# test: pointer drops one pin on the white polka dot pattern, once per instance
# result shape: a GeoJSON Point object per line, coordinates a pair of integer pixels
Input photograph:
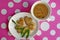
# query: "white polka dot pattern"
{"type": "Point", "coordinates": [17, 1]}
{"type": "Point", "coordinates": [45, 38]}
{"type": "Point", "coordinates": [52, 18]}
{"type": "Point", "coordinates": [3, 38]}
{"type": "Point", "coordinates": [17, 10]}
{"type": "Point", "coordinates": [10, 4]}
{"type": "Point", "coordinates": [53, 4]}
{"type": "Point", "coordinates": [9, 17]}
{"type": "Point", "coordinates": [45, 1]}
{"type": "Point", "coordinates": [52, 32]}
{"type": "Point", "coordinates": [25, 4]}
{"type": "Point", "coordinates": [3, 25]}
{"type": "Point", "coordinates": [45, 26]}
{"type": "Point", "coordinates": [3, 11]}
{"type": "Point", "coordinates": [58, 38]}
{"type": "Point", "coordinates": [58, 26]}
{"type": "Point", "coordinates": [48, 29]}
{"type": "Point", "coordinates": [58, 12]}
{"type": "Point", "coordinates": [39, 32]}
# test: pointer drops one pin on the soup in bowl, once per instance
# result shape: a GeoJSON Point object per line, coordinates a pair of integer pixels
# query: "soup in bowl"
{"type": "Point", "coordinates": [40, 10]}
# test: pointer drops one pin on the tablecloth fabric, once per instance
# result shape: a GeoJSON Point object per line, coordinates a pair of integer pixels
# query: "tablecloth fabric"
{"type": "Point", "coordinates": [48, 29]}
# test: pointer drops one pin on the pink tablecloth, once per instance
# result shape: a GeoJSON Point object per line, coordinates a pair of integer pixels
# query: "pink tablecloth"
{"type": "Point", "coordinates": [48, 29]}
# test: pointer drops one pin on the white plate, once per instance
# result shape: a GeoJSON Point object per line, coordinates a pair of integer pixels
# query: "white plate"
{"type": "Point", "coordinates": [11, 25]}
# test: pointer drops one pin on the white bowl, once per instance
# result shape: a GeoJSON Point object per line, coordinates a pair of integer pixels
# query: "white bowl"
{"type": "Point", "coordinates": [11, 25]}
{"type": "Point", "coordinates": [47, 5]}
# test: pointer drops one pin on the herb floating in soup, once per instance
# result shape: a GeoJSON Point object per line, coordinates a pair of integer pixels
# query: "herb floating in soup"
{"type": "Point", "coordinates": [40, 11]}
{"type": "Point", "coordinates": [24, 26]}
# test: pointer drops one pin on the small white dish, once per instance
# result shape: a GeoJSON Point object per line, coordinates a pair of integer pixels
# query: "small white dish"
{"type": "Point", "coordinates": [47, 5]}
{"type": "Point", "coordinates": [11, 25]}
